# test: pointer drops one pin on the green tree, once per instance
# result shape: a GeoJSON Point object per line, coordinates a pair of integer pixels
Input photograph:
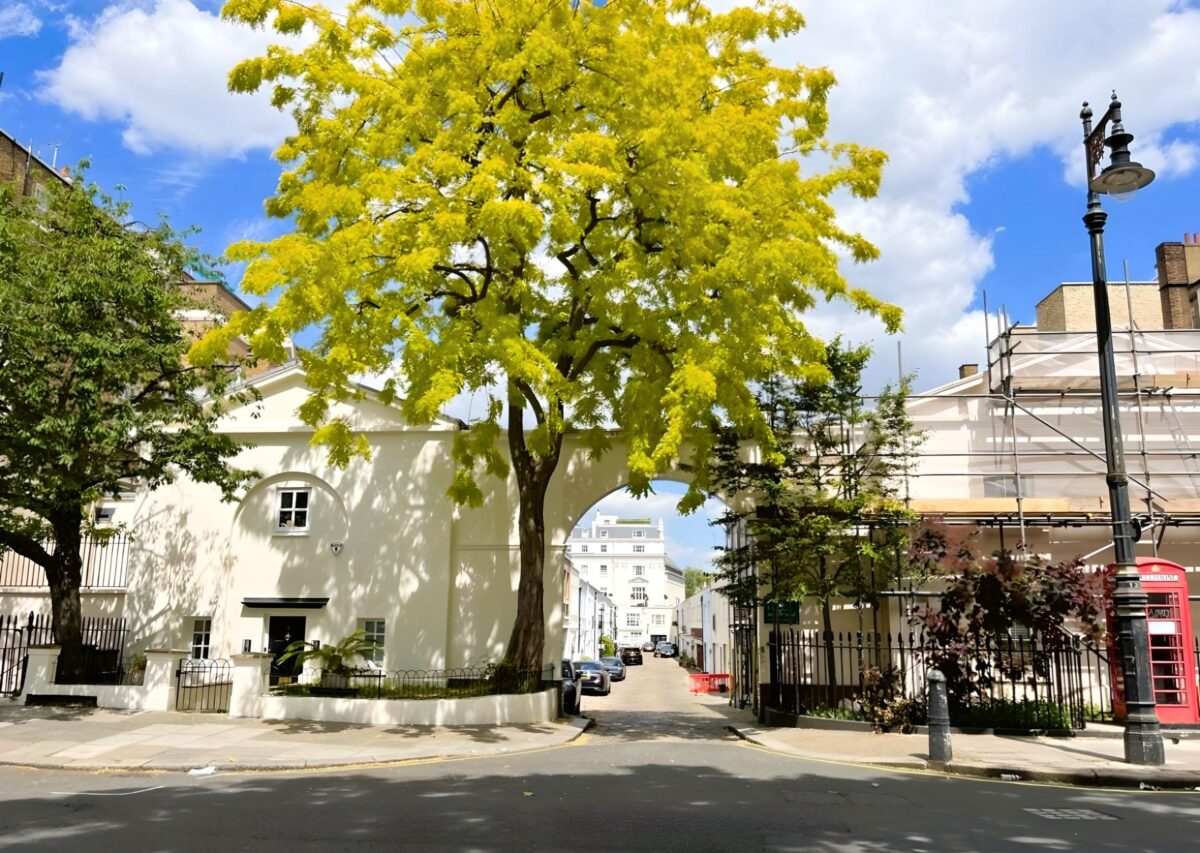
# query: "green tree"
{"type": "Point", "coordinates": [825, 509]}
{"type": "Point", "coordinates": [599, 216]}
{"type": "Point", "coordinates": [694, 580]}
{"type": "Point", "coordinates": [94, 391]}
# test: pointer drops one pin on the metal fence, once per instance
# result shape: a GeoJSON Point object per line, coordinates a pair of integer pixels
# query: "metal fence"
{"type": "Point", "coordinates": [204, 685]}
{"type": "Point", "coordinates": [104, 660]}
{"type": "Point", "coordinates": [104, 640]}
{"type": "Point", "coordinates": [1011, 682]}
{"type": "Point", "coordinates": [415, 683]}
{"type": "Point", "coordinates": [105, 565]}
{"type": "Point", "coordinates": [17, 634]}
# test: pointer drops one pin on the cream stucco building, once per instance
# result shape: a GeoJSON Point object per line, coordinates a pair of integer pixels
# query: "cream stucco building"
{"type": "Point", "coordinates": [627, 559]}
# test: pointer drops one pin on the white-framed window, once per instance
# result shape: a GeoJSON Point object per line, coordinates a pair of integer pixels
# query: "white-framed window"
{"type": "Point", "coordinates": [639, 549]}
{"type": "Point", "coordinates": [639, 534]}
{"type": "Point", "coordinates": [603, 570]}
{"type": "Point", "coordinates": [294, 506]}
{"type": "Point", "coordinates": [104, 514]}
{"type": "Point", "coordinates": [633, 620]}
{"type": "Point", "coordinates": [373, 629]}
{"type": "Point", "coordinates": [637, 594]}
{"type": "Point", "coordinates": [659, 619]}
{"type": "Point", "coordinates": [603, 549]}
{"type": "Point", "coordinates": [201, 637]}
{"type": "Point", "coordinates": [639, 571]}
{"type": "Point", "coordinates": [583, 549]}
{"type": "Point", "coordinates": [603, 534]}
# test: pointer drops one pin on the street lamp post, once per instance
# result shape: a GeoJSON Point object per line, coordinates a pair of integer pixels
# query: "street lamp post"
{"type": "Point", "coordinates": [1143, 738]}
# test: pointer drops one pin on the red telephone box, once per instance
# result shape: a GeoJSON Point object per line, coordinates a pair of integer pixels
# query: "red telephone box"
{"type": "Point", "coordinates": [1169, 623]}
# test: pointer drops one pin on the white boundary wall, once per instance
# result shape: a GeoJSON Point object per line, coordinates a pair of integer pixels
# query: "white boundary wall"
{"type": "Point", "coordinates": [518, 709]}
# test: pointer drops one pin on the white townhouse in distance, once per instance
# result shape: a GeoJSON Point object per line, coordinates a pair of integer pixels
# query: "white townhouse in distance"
{"type": "Point", "coordinates": [626, 559]}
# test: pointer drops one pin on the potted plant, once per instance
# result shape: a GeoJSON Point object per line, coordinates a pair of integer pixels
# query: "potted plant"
{"type": "Point", "coordinates": [332, 659]}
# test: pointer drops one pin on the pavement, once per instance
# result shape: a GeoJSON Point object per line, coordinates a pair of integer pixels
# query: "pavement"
{"type": "Point", "coordinates": [1089, 761]}
{"type": "Point", "coordinates": [654, 705]}
{"type": "Point", "coordinates": [102, 739]}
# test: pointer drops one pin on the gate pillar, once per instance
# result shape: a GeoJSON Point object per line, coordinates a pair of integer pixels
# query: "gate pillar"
{"type": "Point", "coordinates": [39, 672]}
{"type": "Point", "coordinates": [251, 677]}
{"type": "Point", "coordinates": [159, 684]}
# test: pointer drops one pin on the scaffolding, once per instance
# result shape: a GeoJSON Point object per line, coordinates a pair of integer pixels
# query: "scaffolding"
{"type": "Point", "coordinates": [1027, 448]}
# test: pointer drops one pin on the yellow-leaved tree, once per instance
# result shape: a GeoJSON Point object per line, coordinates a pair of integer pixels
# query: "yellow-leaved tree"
{"type": "Point", "coordinates": [600, 215]}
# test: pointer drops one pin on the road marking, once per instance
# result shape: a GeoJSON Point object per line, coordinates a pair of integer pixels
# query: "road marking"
{"type": "Point", "coordinates": [107, 793]}
{"type": "Point", "coordinates": [1072, 814]}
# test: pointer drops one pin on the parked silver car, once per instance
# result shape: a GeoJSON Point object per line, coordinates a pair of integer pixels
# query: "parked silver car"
{"type": "Point", "coordinates": [593, 677]}
{"type": "Point", "coordinates": [615, 668]}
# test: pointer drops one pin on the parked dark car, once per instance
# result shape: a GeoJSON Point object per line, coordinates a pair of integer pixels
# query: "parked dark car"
{"type": "Point", "coordinates": [631, 656]}
{"type": "Point", "coordinates": [614, 667]}
{"type": "Point", "coordinates": [592, 677]}
{"type": "Point", "coordinates": [572, 699]}
{"type": "Point", "coordinates": [665, 650]}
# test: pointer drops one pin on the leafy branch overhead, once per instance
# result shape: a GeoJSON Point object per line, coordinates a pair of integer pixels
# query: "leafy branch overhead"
{"type": "Point", "coordinates": [589, 210]}
{"type": "Point", "coordinates": [594, 216]}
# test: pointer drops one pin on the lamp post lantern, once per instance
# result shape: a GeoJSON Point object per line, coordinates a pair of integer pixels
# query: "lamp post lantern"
{"type": "Point", "coordinates": [1143, 738]}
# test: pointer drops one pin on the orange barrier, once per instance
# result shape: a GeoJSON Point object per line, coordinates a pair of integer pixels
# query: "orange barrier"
{"type": "Point", "coordinates": [706, 682]}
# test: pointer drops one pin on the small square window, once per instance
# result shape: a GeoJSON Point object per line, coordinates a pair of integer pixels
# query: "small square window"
{"type": "Point", "coordinates": [639, 534]}
{"type": "Point", "coordinates": [603, 549]}
{"type": "Point", "coordinates": [639, 571]}
{"type": "Point", "coordinates": [603, 570]}
{"type": "Point", "coordinates": [639, 549]}
{"type": "Point", "coordinates": [104, 514]}
{"type": "Point", "coordinates": [293, 510]}
{"type": "Point", "coordinates": [583, 549]}
{"type": "Point", "coordinates": [633, 620]}
{"type": "Point", "coordinates": [201, 638]}
{"type": "Point", "coordinates": [603, 534]}
{"type": "Point", "coordinates": [373, 630]}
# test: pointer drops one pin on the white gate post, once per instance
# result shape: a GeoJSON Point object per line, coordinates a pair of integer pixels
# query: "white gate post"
{"type": "Point", "coordinates": [160, 680]}
{"type": "Point", "coordinates": [251, 676]}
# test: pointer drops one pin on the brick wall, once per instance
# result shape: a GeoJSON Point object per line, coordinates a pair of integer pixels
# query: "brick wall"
{"type": "Point", "coordinates": [1070, 307]}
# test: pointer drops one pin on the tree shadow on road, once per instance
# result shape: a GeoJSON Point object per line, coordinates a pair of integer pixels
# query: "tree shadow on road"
{"type": "Point", "coordinates": [499, 805]}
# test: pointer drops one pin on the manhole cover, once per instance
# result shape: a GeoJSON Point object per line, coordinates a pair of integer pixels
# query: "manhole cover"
{"type": "Point", "coordinates": [1071, 814]}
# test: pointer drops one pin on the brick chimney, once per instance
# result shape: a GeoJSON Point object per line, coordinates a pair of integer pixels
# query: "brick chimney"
{"type": "Point", "coordinates": [1175, 280]}
{"type": "Point", "coordinates": [965, 370]}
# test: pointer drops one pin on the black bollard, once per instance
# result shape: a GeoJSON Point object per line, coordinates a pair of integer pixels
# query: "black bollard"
{"type": "Point", "coordinates": [940, 751]}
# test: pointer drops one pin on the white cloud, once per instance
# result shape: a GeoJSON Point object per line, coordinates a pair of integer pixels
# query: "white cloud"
{"type": "Point", "coordinates": [18, 20]}
{"type": "Point", "coordinates": [947, 89]}
{"type": "Point", "coordinates": [161, 72]}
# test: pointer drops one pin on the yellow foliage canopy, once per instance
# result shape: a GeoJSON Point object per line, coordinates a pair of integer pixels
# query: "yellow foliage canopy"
{"type": "Point", "coordinates": [611, 215]}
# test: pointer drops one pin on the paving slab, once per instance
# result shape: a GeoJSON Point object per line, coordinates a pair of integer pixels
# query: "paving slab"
{"type": "Point", "coordinates": [1074, 761]}
{"type": "Point", "coordinates": [94, 739]}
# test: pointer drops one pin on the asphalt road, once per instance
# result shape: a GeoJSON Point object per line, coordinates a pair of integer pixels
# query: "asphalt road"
{"type": "Point", "coordinates": [645, 779]}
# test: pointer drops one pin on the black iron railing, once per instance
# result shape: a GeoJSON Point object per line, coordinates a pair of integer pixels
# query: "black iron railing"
{"type": "Point", "coordinates": [104, 661]}
{"type": "Point", "coordinates": [105, 565]}
{"type": "Point", "coordinates": [1011, 682]}
{"type": "Point", "coordinates": [415, 683]}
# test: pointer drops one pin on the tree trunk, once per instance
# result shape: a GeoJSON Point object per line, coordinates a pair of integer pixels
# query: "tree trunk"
{"type": "Point", "coordinates": [526, 645]}
{"type": "Point", "coordinates": [528, 640]}
{"type": "Point", "coordinates": [830, 653]}
{"type": "Point", "coordinates": [64, 575]}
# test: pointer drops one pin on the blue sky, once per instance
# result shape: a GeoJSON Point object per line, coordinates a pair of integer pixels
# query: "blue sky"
{"type": "Point", "coordinates": [975, 102]}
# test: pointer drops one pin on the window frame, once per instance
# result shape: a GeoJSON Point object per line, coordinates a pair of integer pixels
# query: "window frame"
{"type": "Point", "coordinates": [204, 631]}
{"type": "Point", "coordinates": [280, 509]}
{"type": "Point", "coordinates": [377, 657]}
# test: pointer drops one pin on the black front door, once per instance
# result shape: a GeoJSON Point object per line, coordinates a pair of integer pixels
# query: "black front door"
{"type": "Point", "coordinates": [282, 631]}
